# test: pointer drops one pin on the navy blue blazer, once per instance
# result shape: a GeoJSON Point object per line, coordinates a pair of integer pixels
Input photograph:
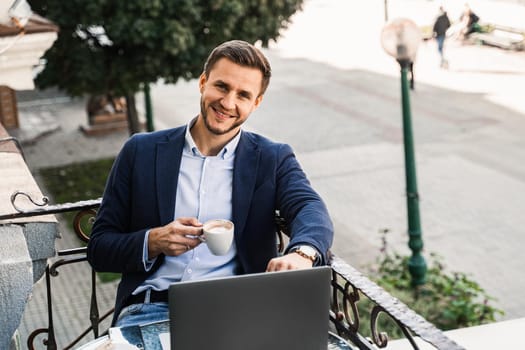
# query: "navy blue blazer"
{"type": "Point", "coordinates": [140, 195]}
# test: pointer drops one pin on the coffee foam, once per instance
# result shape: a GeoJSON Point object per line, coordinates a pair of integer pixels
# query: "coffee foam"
{"type": "Point", "coordinates": [217, 229]}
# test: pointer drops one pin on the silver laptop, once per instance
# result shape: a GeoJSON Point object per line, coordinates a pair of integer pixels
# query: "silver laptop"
{"type": "Point", "coordinates": [276, 310]}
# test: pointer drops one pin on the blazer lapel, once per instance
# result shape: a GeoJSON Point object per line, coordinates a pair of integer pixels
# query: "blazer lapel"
{"type": "Point", "coordinates": [244, 176]}
{"type": "Point", "coordinates": [169, 155]}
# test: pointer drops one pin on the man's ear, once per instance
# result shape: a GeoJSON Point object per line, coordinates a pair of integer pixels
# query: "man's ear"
{"type": "Point", "coordinates": [258, 100]}
{"type": "Point", "coordinates": [202, 82]}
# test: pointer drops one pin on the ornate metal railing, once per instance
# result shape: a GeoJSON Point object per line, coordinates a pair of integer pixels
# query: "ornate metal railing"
{"type": "Point", "coordinates": [348, 287]}
{"type": "Point", "coordinates": [85, 212]}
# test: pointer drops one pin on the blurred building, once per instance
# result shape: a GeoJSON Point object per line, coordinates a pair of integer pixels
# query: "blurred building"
{"type": "Point", "coordinates": [24, 37]}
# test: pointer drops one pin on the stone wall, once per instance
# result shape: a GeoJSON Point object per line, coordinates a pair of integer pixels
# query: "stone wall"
{"type": "Point", "coordinates": [27, 243]}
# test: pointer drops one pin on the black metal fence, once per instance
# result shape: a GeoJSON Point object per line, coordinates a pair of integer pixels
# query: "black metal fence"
{"type": "Point", "coordinates": [349, 289]}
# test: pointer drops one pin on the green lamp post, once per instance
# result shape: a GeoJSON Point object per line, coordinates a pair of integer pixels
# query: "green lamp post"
{"type": "Point", "coordinates": [400, 38]}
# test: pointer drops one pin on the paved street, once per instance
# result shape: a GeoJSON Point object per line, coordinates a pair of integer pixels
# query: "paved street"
{"type": "Point", "coordinates": [335, 97]}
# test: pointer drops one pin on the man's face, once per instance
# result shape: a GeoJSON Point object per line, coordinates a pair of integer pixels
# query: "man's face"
{"type": "Point", "coordinates": [228, 96]}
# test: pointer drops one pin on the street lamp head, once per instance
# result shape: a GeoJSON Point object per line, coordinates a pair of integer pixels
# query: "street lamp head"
{"type": "Point", "coordinates": [400, 39]}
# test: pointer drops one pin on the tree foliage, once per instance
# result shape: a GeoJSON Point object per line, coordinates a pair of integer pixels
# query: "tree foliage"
{"type": "Point", "coordinates": [116, 46]}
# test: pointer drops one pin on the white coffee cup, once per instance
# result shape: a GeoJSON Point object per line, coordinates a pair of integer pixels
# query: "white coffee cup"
{"type": "Point", "coordinates": [218, 235]}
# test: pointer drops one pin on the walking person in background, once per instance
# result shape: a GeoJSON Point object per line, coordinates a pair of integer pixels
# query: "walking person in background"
{"type": "Point", "coordinates": [439, 31]}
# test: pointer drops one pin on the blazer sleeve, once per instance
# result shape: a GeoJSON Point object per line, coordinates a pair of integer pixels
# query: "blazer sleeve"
{"type": "Point", "coordinates": [301, 206]}
{"type": "Point", "coordinates": [113, 246]}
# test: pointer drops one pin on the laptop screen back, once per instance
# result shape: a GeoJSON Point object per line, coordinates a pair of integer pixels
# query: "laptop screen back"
{"type": "Point", "coordinates": [277, 310]}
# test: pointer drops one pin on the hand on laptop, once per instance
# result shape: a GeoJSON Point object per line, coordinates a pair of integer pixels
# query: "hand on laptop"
{"type": "Point", "coordinates": [291, 261]}
{"type": "Point", "coordinates": [174, 238]}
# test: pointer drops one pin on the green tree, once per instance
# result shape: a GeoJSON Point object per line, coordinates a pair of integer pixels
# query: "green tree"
{"type": "Point", "coordinates": [115, 47]}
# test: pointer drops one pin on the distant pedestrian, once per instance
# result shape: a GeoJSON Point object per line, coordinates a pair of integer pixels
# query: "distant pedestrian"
{"type": "Point", "coordinates": [469, 22]}
{"type": "Point", "coordinates": [439, 30]}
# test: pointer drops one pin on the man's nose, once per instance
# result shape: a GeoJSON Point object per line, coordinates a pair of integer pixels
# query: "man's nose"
{"type": "Point", "coordinates": [228, 101]}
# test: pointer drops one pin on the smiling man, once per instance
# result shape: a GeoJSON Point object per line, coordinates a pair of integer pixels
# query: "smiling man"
{"type": "Point", "coordinates": [165, 184]}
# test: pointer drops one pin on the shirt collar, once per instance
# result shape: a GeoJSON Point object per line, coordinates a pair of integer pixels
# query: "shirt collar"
{"type": "Point", "coordinates": [226, 152]}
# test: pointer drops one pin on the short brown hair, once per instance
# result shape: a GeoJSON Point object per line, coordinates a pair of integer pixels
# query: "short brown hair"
{"type": "Point", "coordinates": [243, 54]}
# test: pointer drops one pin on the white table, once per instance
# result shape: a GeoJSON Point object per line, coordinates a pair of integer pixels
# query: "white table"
{"type": "Point", "coordinates": [155, 336]}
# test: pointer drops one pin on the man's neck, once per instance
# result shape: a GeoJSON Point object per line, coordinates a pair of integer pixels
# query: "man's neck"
{"type": "Point", "coordinates": [209, 144]}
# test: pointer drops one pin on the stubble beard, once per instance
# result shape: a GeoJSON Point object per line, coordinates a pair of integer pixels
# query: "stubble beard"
{"type": "Point", "coordinates": [213, 130]}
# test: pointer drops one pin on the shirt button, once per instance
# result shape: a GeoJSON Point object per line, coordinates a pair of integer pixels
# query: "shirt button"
{"type": "Point", "coordinates": [197, 259]}
{"type": "Point", "coordinates": [190, 270]}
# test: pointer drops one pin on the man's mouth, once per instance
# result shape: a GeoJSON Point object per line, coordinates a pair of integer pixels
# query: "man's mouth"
{"type": "Point", "coordinates": [221, 115]}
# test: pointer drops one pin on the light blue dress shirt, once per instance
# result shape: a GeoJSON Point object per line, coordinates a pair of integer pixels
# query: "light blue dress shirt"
{"type": "Point", "coordinates": [204, 191]}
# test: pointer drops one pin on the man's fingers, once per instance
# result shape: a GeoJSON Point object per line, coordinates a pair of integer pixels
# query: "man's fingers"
{"type": "Point", "coordinates": [279, 265]}
{"type": "Point", "coordinates": [291, 261]}
{"type": "Point", "coordinates": [177, 237]}
{"type": "Point", "coordinates": [186, 226]}
{"type": "Point", "coordinates": [183, 244]}
{"type": "Point", "coordinates": [189, 221]}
